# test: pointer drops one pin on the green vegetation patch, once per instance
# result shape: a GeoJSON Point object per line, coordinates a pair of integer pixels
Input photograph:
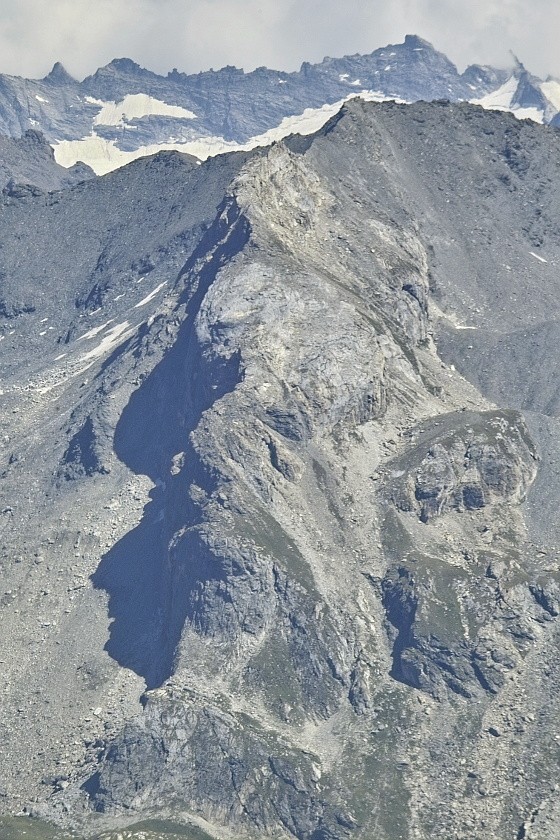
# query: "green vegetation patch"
{"type": "Point", "coordinates": [23, 828]}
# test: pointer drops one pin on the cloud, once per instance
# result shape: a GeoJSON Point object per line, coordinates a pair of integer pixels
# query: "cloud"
{"type": "Point", "coordinates": [194, 35]}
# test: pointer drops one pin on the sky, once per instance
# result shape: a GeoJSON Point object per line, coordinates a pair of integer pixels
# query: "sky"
{"type": "Point", "coordinates": [194, 35]}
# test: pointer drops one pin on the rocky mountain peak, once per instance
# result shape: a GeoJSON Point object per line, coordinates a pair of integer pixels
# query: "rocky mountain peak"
{"type": "Point", "coordinates": [59, 76]}
{"type": "Point", "coordinates": [117, 72]}
{"type": "Point", "coordinates": [414, 42]}
{"type": "Point", "coordinates": [124, 65]}
{"type": "Point", "coordinates": [528, 93]}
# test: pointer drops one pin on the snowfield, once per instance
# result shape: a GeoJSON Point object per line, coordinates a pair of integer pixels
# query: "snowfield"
{"type": "Point", "coordinates": [104, 155]}
{"type": "Point", "coordinates": [134, 107]}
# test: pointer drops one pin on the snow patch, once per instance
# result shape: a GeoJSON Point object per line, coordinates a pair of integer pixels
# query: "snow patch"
{"type": "Point", "coordinates": [136, 106]}
{"type": "Point", "coordinates": [537, 257]}
{"type": "Point", "coordinates": [114, 336]}
{"type": "Point", "coordinates": [502, 100]}
{"type": "Point", "coordinates": [534, 114]}
{"type": "Point", "coordinates": [151, 296]}
{"type": "Point", "coordinates": [77, 365]}
{"type": "Point", "coordinates": [104, 155]}
{"type": "Point", "coordinates": [551, 89]}
{"type": "Point", "coordinates": [40, 99]}
{"type": "Point", "coordinates": [311, 120]}
{"type": "Point", "coordinates": [377, 96]}
{"type": "Point", "coordinates": [93, 332]}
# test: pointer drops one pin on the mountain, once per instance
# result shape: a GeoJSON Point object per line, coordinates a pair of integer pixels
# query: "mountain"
{"type": "Point", "coordinates": [279, 475]}
{"type": "Point", "coordinates": [124, 111]}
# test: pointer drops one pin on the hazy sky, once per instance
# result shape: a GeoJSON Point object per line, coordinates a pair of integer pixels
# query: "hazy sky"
{"type": "Point", "coordinates": [194, 35]}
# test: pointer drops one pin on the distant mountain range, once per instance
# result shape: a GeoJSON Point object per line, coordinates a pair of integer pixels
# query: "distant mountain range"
{"type": "Point", "coordinates": [123, 111]}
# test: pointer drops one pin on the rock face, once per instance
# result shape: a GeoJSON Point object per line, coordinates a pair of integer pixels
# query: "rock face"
{"type": "Point", "coordinates": [277, 550]}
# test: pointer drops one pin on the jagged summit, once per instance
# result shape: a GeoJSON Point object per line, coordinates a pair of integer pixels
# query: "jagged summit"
{"type": "Point", "coordinates": [124, 110]}
{"type": "Point", "coordinates": [406, 49]}
{"type": "Point", "coordinates": [416, 42]}
{"type": "Point", "coordinates": [59, 76]}
{"type": "Point", "coordinates": [124, 65]}
{"type": "Point", "coordinates": [518, 64]}
{"type": "Point", "coordinates": [529, 93]}
{"type": "Point", "coordinates": [119, 76]}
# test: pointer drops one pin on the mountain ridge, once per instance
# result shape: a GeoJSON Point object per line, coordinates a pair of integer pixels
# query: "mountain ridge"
{"type": "Point", "coordinates": [230, 108]}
